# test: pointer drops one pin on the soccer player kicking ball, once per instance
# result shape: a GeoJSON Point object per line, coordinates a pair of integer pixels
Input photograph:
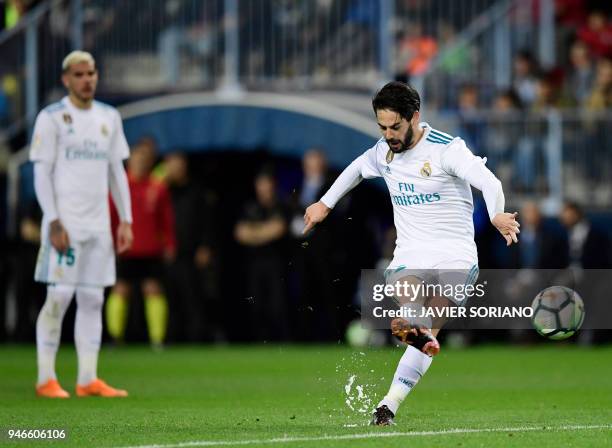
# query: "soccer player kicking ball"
{"type": "Point", "coordinates": [428, 174]}
{"type": "Point", "coordinates": [78, 148]}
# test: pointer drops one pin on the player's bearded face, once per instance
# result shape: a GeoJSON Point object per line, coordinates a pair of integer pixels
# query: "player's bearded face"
{"type": "Point", "coordinates": [398, 145]}
{"type": "Point", "coordinates": [81, 81]}
{"type": "Point", "coordinates": [397, 131]}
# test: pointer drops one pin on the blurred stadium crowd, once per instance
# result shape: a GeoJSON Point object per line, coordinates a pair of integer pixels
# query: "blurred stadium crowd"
{"type": "Point", "coordinates": [229, 247]}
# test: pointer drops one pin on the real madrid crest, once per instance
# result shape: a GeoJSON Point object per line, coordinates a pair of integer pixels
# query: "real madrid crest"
{"type": "Point", "coordinates": [67, 119]}
{"type": "Point", "coordinates": [390, 155]}
{"type": "Point", "coordinates": [37, 141]}
{"type": "Point", "coordinates": [426, 170]}
{"type": "Point", "coordinates": [104, 130]}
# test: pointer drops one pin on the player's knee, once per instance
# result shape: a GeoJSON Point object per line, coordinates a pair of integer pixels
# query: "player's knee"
{"type": "Point", "coordinates": [408, 290]}
{"type": "Point", "coordinates": [90, 299]}
{"type": "Point", "coordinates": [151, 287]}
{"type": "Point", "coordinates": [122, 289]}
{"type": "Point", "coordinates": [59, 298]}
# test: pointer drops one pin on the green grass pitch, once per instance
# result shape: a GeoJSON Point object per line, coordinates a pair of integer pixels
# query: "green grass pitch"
{"type": "Point", "coordinates": [293, 396]}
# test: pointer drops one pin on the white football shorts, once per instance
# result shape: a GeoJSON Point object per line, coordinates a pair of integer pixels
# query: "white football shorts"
{"type": "Point", "coordinates": [90, 260]}
{"type": "Point", "coordinates": [451, 274]}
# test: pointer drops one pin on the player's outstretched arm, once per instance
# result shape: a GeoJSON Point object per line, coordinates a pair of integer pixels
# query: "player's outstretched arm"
{"type": "Point", "coordinates": [315, 214]}
{"type": "Point", "coordinates": [460, 161]}
{"type": "Point", "coordinates": [482, 178]}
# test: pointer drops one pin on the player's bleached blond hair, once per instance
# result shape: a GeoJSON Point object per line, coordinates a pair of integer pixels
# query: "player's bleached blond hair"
{"type": "Point", "coordinates": [76, 57]}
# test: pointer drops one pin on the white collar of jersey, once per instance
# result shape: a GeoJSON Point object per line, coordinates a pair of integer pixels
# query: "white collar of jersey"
{"type": "Point", "coordinates": [424, 126]}
{"type": "Point", "coordinates": [66, 101]}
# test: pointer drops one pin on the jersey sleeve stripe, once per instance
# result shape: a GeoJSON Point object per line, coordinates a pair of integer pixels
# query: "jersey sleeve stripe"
{"type": "Point", "coordinates": [441, 135]}
{"type": "Point", "coordinates": [435, 140]}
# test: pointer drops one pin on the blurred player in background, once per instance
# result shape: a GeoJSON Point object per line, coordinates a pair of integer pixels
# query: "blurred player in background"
{"type": "Point", "coordinates": [262, 230]}
{"type": "Point", "coordinates": [78, 148]}
{"type": "Point", "coordinates": [154, 245]}
{"type": "Point", "coordinates": [196, 310]}
{"type": "Point", "coordinates": [428, 174]}
{"type": "Point", "coordinates": [315, 266]}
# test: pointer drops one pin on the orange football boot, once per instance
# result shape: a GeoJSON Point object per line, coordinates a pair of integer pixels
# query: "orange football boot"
{"type": "Point", "coordinates": [51, 389]}
{"type": "Point", "coordinates": [98, 388]}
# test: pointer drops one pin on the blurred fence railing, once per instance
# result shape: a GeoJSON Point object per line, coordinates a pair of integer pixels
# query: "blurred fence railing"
{"type": "Point", "coordinates": [149, 47]}
{"type": "Point", "coordinates": [548, 156]}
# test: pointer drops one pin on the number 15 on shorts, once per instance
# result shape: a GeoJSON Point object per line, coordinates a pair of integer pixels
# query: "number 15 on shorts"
{"type": "Point", "coordinates": [66, 259]}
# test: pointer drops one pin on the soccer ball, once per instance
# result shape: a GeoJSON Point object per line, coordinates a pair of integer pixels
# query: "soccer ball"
{"type": "Point", "coordinates": [558, 312]}
{"type": "Point", "coordinates": [359, 335]}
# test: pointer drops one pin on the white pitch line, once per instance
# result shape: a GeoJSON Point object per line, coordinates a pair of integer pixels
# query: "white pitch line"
{"type": "Point", "coordinates": [370, 435]}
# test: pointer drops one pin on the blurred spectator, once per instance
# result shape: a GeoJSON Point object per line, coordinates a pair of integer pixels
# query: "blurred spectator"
{"type": "Point", "coordinates": [14, 10]}
{"type": "Point", "coordinates": [525, 77]}
{"type": "Point", "coordinates": [456, 62]}
{"type": "Point", "coordinates": [262, 229]}
{"type": "Point", "coordinates": [191, 29]}
{"type": "Point", "coordinates": [600, 96]}
{"type": "Point", "coordinates": [597, 34]}
{"type": "Point", "coordinates": [541, 246]}
{"type": "Point", "coordinates": [468, 99]}
{"type": "Point", "coordinates": [313, 257]}
{"type": "Point", "coordinates": [547, 95]}
{"type": "Point", "coordinates": [352, 42]}
{"type": "Point", "coordinates": [416, 50]}
{"type": "Point", "coordinates": [570, 13]}
{"type": "Point", "coordinates": [154, 244]}
{"type": "Point", "coordinates": [596, 129]}
{"type": "Point", "coordinates": [471, 123]}
{"type": "Point", "coordinates": [581, 74]}
{"type": "Point", "coordinates": [195, 313]}
{"type": "Point", "coordinates": [589, 247]}
{"type": "Point", "coordinates": [502, 134]}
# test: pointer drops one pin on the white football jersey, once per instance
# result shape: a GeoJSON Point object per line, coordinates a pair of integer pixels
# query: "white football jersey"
{"type": "Point", "coordinates": [432, 203]}
{"type": "Point", "coordinates": [80, 144]}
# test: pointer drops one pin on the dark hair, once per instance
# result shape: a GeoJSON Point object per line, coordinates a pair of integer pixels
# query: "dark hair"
{"type": "Point", "coordinates": [398, 97]}
{"type": "Point", "coordinates": [267, 170]}
{"type": "Point", "coordinates": [573, 205]}
{"type": "Point", "coordinates": [512, 96]}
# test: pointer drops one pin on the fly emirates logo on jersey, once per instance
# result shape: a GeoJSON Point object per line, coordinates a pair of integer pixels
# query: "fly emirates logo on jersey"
{"type": "Point", "coordinates": [89, 150]}
{"type": "Point", "coordinates": [408, 196]}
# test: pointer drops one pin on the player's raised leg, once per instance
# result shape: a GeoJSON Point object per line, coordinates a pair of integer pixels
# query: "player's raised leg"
{"type": "Point", "coordinates": [48, 333]}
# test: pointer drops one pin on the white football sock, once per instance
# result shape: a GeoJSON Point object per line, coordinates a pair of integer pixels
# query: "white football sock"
{"type": "Point", "coordinates": [49, 329]}
{"type": "Point", "coordinates": [411, 368]}
{"type": "Point", "coordinates": [88, 332]}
